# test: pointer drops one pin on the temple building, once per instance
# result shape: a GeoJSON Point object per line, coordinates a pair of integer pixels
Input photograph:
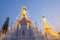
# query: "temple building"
{"type": "Point", "coordinates": [24, 30]}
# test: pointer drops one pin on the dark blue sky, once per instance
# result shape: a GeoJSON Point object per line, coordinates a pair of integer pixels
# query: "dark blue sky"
{"type": "Point", "coordinates": [36, 9]}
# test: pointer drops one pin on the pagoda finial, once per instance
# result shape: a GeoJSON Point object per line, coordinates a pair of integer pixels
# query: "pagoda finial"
{"type": "Point", "coordinates": [24, 11]}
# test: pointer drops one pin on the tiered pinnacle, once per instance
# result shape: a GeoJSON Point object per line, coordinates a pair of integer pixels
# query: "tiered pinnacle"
{"type": "Point", "coordinates": [48, 28]}
{"type": "Point", "coordinates": [24, 15]}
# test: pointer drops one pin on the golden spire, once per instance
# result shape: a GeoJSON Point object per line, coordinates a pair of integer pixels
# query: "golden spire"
{"type": "Point", "coordinates": [24, 13]}
{"type": "Point", "coordinates": [48, 28]}
{"type": "Point", "coordinates": [45, 22]}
